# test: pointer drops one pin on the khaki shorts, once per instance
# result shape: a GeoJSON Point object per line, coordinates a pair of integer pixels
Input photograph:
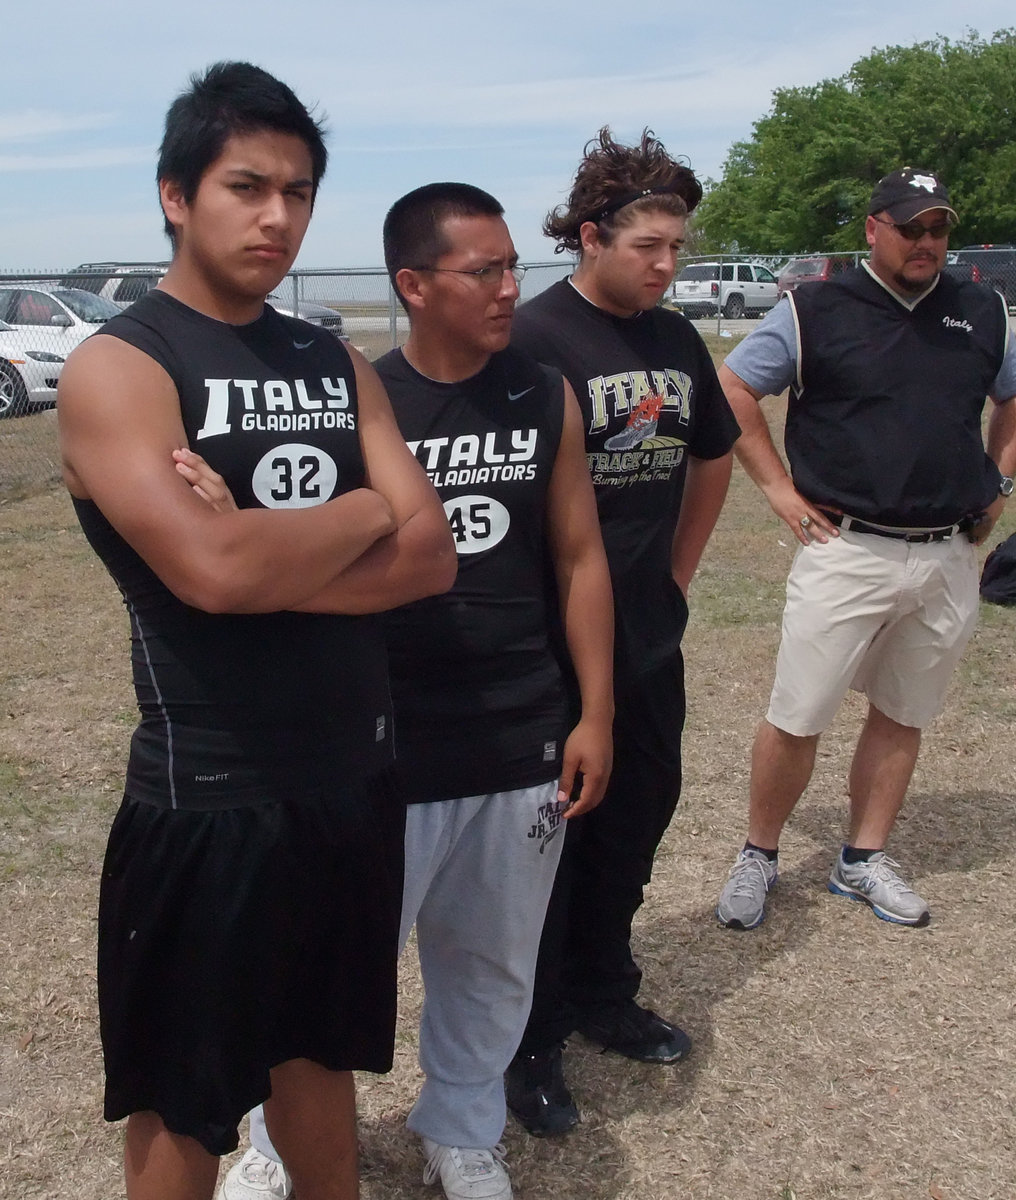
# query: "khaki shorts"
{"type": "Point", "coordinates": [888, 618]}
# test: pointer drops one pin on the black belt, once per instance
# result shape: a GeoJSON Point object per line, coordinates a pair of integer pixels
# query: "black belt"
{"type": "Point", "coordinates": [942, 534]}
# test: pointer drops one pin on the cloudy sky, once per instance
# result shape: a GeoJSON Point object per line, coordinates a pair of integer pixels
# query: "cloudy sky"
{"type": "Point", "coordinates": [500, 95]}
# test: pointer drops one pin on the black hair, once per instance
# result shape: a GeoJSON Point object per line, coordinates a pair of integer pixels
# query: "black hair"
{"type": "Point", "coordinates": [231, 98]}
{"type": "Point", "coordinates": [413, 236]}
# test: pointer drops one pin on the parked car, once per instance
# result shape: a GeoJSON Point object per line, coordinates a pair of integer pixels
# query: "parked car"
{"type": "Point", "coordinates": [995, 265]}
{"type": "Point", "coordinates": [317, 314]}
{"type": "Point", "coordinates": [28, 377]}
{"type": "Point", "coordinates": [966, 271]}
{"type": "Point", "coordinates": [736, 288]}
{"type": "Point", "coordinates": [813, 269]}
{"type": "Point", "coordinates": [123, 283]}
{"type": "Point", "coordinates": [55, 319]}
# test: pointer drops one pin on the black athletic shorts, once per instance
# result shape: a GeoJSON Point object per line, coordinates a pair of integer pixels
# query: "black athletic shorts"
{"type": "Point", "coordinates": [234, 940]}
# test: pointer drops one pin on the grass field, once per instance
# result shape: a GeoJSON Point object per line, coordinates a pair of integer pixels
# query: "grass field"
{"type": "Point", "coordinates": [835, 1056]}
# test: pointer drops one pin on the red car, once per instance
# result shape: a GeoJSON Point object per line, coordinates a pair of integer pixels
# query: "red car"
{"type": "Point", "coordinates": [813, 269]}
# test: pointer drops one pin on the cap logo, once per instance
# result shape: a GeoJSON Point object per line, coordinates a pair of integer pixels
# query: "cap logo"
{"type": "Point", "coordinates": [928, 182]}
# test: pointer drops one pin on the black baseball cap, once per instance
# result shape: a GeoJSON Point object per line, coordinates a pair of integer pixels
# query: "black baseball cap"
{"type": "Point", "coordinates": [907, 193]}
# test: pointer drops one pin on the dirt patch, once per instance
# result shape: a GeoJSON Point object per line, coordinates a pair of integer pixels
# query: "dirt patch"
{"type": "Point", "coordinates": [835, 1056]}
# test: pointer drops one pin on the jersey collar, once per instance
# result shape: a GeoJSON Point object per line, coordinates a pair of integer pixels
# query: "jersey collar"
{"type": "Point", "coordinates": [907, 303]}
{"type": "Point", "coordinates": [570, 280]}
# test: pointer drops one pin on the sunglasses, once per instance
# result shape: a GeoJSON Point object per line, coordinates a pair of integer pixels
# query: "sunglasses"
{"type": "Point", "coordinates": [913, 231]}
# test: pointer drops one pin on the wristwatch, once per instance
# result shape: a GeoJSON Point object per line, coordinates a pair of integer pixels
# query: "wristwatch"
{"type": "Point", "coordinates": [1005, 485]}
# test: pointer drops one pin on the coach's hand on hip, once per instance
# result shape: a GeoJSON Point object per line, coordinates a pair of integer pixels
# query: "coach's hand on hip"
{"type": "Point", "coordinates": [806, 522]}
{"type": "Point", "coordinates": [978, 532]}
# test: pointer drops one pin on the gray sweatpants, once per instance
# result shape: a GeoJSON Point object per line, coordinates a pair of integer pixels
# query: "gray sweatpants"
{"type": "Point", "coordinates": [479, 871]}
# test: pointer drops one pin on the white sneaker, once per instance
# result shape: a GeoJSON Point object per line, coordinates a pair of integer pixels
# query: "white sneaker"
{"type": "Point", "coordinates": [467, 1174]}
{"type": "Point", "coordinates": [256, 1177]}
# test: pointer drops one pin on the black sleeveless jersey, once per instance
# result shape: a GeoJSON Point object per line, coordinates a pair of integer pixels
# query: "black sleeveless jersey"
{"type": "Point", "coordinates": [649, 397]}
{"type": "Point", "coordinates": [240, 708]}
{"type": "Point", "coordinates": [479, 701]}
{"type": "Point", "coordinates": [884, 420]}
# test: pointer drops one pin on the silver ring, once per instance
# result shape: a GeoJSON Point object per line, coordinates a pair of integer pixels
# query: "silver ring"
{"type": "Point", "coordinates": [805, 522]}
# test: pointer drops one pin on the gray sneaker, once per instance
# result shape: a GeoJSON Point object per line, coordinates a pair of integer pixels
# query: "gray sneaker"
{"type": "Point", "coordinates": [876, 884]}
{"type": "Point", "coordinates": [742, 901]}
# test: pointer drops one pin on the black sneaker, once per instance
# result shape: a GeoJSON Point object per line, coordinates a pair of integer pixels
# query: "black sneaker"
{"type": "Point", "coordinates": [636, 1032]}
{"type": "Point", "coordinates": [537, 1095]}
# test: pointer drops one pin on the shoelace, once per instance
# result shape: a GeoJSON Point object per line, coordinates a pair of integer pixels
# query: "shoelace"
{"type": "Point", "coordinates": [884, 871]}
{"type": "Point", "coordinates": [470, 1164]}
{"type": "Point", "coordinates": [743, 872]}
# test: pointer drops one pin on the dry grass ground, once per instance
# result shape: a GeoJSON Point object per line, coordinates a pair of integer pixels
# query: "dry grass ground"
{"type": "Point", "coordinates": [835, 1056]}
{"type": "Point", "coordinates": [29, 454]}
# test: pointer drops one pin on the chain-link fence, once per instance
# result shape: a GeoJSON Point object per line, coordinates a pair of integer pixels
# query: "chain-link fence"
{"type": "Point", "coordinates": [993, 265]}
{"type": "Point", "coordinates": [45, 314]}
{"type": "Point", "coordinates": [40, 324]}
{"type": "Point", "coordinates": [724, 291]}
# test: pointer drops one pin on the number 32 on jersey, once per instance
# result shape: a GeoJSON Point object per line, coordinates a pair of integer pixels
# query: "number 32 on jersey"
{"type": "Point", "coordinates": [295, 476]}
{"type": "Point", "coordinates": [477, 522]}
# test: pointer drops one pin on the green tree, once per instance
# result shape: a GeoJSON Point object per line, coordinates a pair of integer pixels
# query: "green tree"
{"type": "Point", "coordinates": [803, 180]}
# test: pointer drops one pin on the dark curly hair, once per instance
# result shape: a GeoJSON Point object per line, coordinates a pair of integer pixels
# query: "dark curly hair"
{"type": "Point", "coordinates": [615, 182]}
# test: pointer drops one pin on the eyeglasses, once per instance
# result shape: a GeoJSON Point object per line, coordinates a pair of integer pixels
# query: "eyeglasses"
{"type": "Point", "coordinates": [913, 231]}
{"type": "Point", "coordinates": [489, 276]}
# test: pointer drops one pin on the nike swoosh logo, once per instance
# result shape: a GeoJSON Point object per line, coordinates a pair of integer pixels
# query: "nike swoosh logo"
{"type": "Point", "coordinates": [303, 345]}
{"type": "Point", "coordinates": [518, 395]}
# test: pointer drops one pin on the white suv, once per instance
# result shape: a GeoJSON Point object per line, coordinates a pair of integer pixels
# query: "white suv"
{"type": "Point", "coordinates": [737, 289]}
{"type": "Point", "coordinates": [123, 283]}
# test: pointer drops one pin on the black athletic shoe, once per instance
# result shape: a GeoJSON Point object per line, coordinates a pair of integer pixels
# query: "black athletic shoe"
{"type": "Point", "coordinates": [636, 1032]}
{"type": "Point", "coordinates": [537, 1095]}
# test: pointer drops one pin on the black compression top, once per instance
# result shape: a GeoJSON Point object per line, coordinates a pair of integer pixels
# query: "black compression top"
{"type": "Point", "coordinates": [478, 694]}
{"type": "Point", "coordinates": [240, 708]}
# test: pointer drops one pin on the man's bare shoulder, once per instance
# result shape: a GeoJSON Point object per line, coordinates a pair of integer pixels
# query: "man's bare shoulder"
{"type": "Point", "coordinates": [113, 402]}
{"type": "Point", "coordinates": [104, 374]}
